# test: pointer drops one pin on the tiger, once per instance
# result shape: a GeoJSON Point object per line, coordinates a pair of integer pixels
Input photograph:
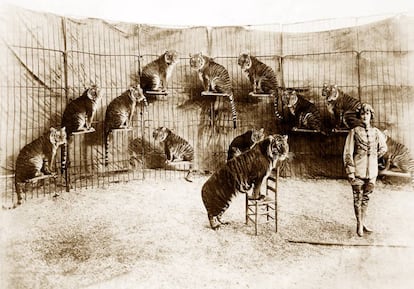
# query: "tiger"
{"type": "Point", "coordinates": [156, 74]}
{"type": "Point", "coordinates": [261, 76]}
{"type": "Point", "coordinates": [397, 157]}
{"type": "Point", "coordinates": [120, 112]}
{"type": "Point", "coordinates": [78, 116]}
{"type": "Point", "coordinates": [215, 78]}
{"type": "Point", "coordinates": [241, 174]}
{"type": "Point", "coordinates": [342, 107]}
{"type": "Point", "coordinates": [37, 158]}
{"type": "Point", "coordinates": [244, 142]}
{"type": "Point", "coordinates": [175, 148]}
{"type": "Point", "coordinates": [304, 113]}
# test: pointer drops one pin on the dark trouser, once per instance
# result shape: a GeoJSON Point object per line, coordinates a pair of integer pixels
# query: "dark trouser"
{"type": "Point", "coordinates": [361, 189]}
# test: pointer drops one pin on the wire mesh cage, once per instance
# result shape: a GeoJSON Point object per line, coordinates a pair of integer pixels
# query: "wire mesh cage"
{"type": "Point", "coordinates": [48, 61]}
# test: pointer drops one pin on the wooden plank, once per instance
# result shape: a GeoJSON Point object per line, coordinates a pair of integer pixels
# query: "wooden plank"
{"type": "Point", "coordinates": [265, 95]}
{"type": "Point", "coordinates": [305, 130]}
{"type": "Point", "coordinates": [210, 93]}
{"type": "Point", "coordinates": [122, 129]}
{"type": "Point", "coordinates": [177, 163]}
{"type": "Point", "coordinates": [43, 177]}
{"type": "Point", "coordinates": [155, 92]}
{"type": "Point", "coordinates": [389, 173]}
{"type": "Point", "coordinates": [84, 131]}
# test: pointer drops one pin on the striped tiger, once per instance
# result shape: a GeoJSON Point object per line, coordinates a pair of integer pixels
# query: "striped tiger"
{"type": "Point", "coordinates": [397, 157]}
{"type": "Point", "coordinates": [175, 147]}
{"type": "Point", "coordinates": [215, 78]}
{"type": "Point", "coordinates": [155, 75]}
{"type": "Point", "coordinates": [240, 174]}
{"type": "Point", "coordinates": [261, 76]}
{"type": "Point", "coordinates": [305, 114]}
{"type": "Point", "coordinates": [244, 142]}
{"type": "Point", "coordinates": [342, 107]}
{"type": "Point", "coordinates": [120, 112]}
{"type": "Point", "coordinates": [37, 158]}
{"type": "Point", "coordinates": [78, 116]}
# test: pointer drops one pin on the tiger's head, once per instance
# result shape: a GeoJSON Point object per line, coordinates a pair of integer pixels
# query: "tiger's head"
{"type": "Point", "coordinates": [244, 61]}
{"type": "Point", "coordinates": [93, 93]}
{"type": "Point", "coordinates": [171, 57]}
{"type": "Point", "coordinates": [275, 147]}
{"type": "Point", "coordinates": [330, 92]}
{"type": "Point", "coordinates": [290, 99]}
{"type": "Point", "coordinates": [136, 94]}
{"type": "Point", "coordinates": [161, 133]}
{"type": "Point", "coordinates": [257, 135]}
{"type": "Point", "coordinates": [197, 61]}
{"type": "Point", "coordinates": [57, 137]}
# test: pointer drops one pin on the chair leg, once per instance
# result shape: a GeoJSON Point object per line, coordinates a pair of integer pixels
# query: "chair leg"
{"type": "Point", "coordinates": [256, 217]}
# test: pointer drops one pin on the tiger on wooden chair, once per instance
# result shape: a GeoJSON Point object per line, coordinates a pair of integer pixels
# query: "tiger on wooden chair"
{"type": "Point", "coordinates": [240, 174]}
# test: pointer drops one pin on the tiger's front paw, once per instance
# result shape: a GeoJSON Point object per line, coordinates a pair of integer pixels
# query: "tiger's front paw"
{"type": "Point", "coordinates": [257, 198]}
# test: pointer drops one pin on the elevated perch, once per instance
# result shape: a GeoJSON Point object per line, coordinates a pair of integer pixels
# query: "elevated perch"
{"type": "Point", "coordinates": [156, 94]}
{"type": "Point", "coordinates": [115, 130]}
{"type": "Point", "coordinates": [211, 93]}
{"type": "Point", "coordinates": [42, 177]}
{"type": "Point", "coordinates": [84, 131]}
{"type": "Point", "coordinates": [306, 130]}
{"type": "Point", "coordinates": [260, 94]}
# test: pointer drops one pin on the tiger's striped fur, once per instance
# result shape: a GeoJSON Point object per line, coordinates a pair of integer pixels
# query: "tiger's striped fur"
{"type": "Point", "coordinates": [240, 174]}
{"type": "Point", "coordinates": [78, 116]}
{"type": "Point", "coordinates": [37, 158]}
{"type": "Point", "coordinates": [261, 76]}
{"type": "Point", "coordinates": [215, 78]}
{"type": "Point", "coordinates": [175, 147]}
{"type": "Point", "coordinates": [397, 157]}
{"type": "Point", "coordinates": [244, 142]}
{"type": "Point", "coordinates": [156, 74]}
{"type": "Point", "coordinates": [305, 114]}
{"type": "Point", "coordinates": [342, 107]}
{"type": "Point", "coordinates": [120, 112]}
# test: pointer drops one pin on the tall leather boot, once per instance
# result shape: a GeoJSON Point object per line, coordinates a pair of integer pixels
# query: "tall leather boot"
{"type": "Point", "coordinates": [358, 211]}
{"type": "Point", "coordinates": [364, 208]}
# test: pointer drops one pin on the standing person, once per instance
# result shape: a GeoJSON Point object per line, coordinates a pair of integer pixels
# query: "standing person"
{"type": "Point", "coordinates": [363, 146]}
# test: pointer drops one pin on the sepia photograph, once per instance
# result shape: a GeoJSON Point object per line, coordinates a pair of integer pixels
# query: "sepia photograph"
{"type": "Point", "coordinates": [212, 144]}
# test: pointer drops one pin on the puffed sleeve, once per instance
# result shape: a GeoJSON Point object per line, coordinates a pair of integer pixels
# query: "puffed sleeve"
{"type": "Point", "coordinates": [382, 143]}
{"type": "Point", "coordinates": [348, 154]}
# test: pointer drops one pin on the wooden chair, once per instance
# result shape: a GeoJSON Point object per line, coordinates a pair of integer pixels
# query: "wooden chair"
{"type": "Point", "coordinates": [264, 210]}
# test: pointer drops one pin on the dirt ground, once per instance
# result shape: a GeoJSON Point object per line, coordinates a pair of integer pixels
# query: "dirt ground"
{"type": "Point", "coordinates": [155, 234]}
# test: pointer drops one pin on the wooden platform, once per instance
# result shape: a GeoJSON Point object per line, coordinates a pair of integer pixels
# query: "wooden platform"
{"type": "Point", "coordinates": [122, 129]}
{"type": "Point", "coordinates": [340, 130]}
{"type": "Point", "coordinates": [43, 177]}
{"type": "Point", "coordinates": [178, 163]}
{"type": "Point", "coordinates": [389, 173]}
{"type": "Point", "coordinates": [259, 94]}
{"type": "Point", "coordinates": [211, 93]}
{"type": "Point", "coordinates": [305, 130]}
{"type": "Point", "coordinates": [156, 92]}
{"type": "Point", "coordinates": [84, 131]}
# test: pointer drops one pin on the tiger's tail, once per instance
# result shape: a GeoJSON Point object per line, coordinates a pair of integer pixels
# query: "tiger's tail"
{"type": "Point", "coordinates": [233, 110]}
{"type": "Point", "coordinates": [106, 142]}
{"type": "Point", "coordinates": [276, 104]}
{"type": "Point", "coordinates": [63, 158]}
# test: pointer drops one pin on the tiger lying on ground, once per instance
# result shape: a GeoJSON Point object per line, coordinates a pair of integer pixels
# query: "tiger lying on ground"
{"type": "Point", "coordinates": [240, 174]}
